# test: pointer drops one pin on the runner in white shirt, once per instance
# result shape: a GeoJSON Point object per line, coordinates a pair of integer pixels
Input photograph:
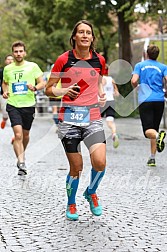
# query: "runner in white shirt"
{"type": "Point", "coordinates": [111, 90]}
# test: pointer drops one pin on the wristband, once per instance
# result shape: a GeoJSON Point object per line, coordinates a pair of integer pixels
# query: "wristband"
{"type": "Point", "coordinates": [35, 89]}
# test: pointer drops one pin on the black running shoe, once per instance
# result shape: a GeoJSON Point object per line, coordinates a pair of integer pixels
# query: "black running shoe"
{"type": "Point", "coordinates": [22, 169]}
{"type": "Point", "coordinates": [160, 141]}
{"type": "Point", "coordinates": [151, 162]}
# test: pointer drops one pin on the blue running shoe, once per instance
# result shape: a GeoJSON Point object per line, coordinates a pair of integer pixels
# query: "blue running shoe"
{"type": "Point", "coordinates": [95, 206]}
{"type": "Point", "coordinates": [71, 212]}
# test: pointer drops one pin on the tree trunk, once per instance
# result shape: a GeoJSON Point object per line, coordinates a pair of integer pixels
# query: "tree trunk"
{"type": "Point", "coordinates": [125, 52]}
{"type": "Point", "coordinates": [104, 44]}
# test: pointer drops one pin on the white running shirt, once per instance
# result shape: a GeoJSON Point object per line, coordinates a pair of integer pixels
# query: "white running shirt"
{"type": "Point", "coordinates": [109, 88]}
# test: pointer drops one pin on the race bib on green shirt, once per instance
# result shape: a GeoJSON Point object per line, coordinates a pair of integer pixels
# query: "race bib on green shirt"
{"type": "Point", "coordinates": [20, 87]}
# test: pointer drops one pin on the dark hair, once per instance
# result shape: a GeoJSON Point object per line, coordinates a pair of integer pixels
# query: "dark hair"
{"type": "Point", "coordinates": [72, 41]}
{"type": "Point", "coordinates": [18, 43]}
{"type": "Point", "coordinates": [8, 55]}
{"type": "Point", "coordinates": [153, 52]}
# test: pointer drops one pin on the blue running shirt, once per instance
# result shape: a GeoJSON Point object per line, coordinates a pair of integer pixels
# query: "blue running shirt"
{"type": "Point", "coordinates": [151, 74]}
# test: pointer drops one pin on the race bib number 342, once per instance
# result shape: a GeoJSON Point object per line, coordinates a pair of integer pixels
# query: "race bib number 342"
{"type": "Point", "coordinates": [75, 115]}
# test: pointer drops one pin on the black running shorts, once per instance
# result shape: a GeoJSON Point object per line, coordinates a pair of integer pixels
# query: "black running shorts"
{"type": "Point", "coordinates": [108, 109]}
{"type": "Point", "coordinates": [151, 115]}
{"type": "Point", "coordinates": [21, 116]}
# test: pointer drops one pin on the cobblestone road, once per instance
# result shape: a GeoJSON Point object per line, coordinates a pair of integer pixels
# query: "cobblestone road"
{"type": "Point", "coordinates": [32, 211]}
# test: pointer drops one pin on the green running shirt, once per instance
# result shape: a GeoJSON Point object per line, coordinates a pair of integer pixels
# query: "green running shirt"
{"type": "Point", "coordinates": [17, 77]}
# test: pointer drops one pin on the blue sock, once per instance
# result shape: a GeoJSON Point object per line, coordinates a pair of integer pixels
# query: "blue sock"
{"type": "Point", "coordinates": [55, 118]}
{"type": "Point", "coordinates": [71, 188]}
{"type": "Point", "coordinates": [96, 177]}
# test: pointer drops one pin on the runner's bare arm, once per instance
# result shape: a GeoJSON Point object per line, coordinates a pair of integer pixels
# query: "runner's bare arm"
{"type": "Point", "coordinates": [40, 84]}
{"type": "Point", "coordinates": [52, 91]}
{"type": "Point", "coordinates": [5, 90]}
{"type": "Point", "coordinates": [116, 91]}
{"type": "Point", "coordinates": [134, 80]}
{"type": "Point", "coordinates": [103, 81]}
{"type": "Point", "coordinates": [165, 86]}
{"type": "Point", "coordinates": [101, 93]}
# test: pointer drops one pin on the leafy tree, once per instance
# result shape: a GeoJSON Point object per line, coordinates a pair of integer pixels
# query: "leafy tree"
{"type": "Point", "coordinates": [57, 16]}
{"type": "Point", "coordinates": [63, 14]}
{"type": "Point", "coordinates": [45, 26]}
{"type": "Point", "coordinates": [157, 10]}
{"type": "Point", "coordinates": [14, 26]}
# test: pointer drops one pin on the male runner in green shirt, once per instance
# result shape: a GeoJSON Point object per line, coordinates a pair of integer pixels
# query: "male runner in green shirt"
{"type": "Point", "coordinates": [21, 79]}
